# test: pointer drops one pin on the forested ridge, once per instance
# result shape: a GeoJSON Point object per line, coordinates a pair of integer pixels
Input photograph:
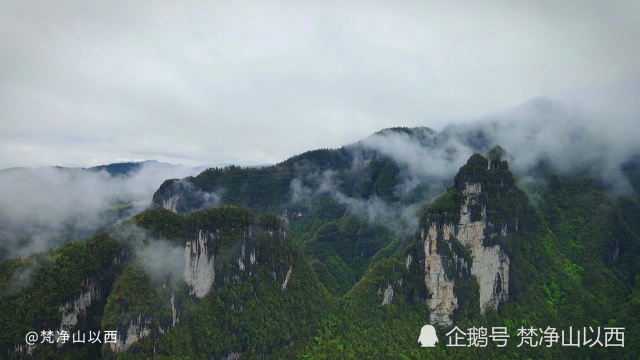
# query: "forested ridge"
{"type": "Point", "coordinates": [299, 265]}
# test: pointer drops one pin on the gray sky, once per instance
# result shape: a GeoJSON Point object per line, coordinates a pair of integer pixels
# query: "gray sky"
{"type": "Point", "coordinates": [202, 83]}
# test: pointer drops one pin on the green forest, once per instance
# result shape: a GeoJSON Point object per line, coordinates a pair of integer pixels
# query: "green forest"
{"type": "Point", "coordinates": [308, 276]}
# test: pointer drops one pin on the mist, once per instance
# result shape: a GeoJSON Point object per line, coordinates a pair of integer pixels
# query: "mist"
{"type": "Point", "coordinates": [159, 258]}
{"type": "Point", "coordinates": [567, 139]}
{"type": "Point", "coordinates": [21, 278]}
{"type": "Point", "coordinates": [42, 208]}
{"type": "Point", "coordinates": [398, 217]}
{"type": "Point", "coordinates": [198, 198]}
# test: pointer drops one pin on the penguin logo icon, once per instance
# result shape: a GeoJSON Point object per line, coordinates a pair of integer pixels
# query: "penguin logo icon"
{"type": "Point", "coordinates": [428, 337]}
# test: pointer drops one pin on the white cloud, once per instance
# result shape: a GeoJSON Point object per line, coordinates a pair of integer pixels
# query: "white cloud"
{"type": "Point", "coordinates": [202, 83]}
{"type": "Point", "coordinates": [38, 206]}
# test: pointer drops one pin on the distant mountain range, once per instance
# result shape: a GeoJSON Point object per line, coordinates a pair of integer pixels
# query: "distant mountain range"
{"type": "Point", "coordinates": [120, 168]}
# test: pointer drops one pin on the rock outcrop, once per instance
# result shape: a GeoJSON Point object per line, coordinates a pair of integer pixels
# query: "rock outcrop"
{"type": "Point", "coordinates": [199, 271]}
{"type": "Point", "coordinates": [214, 256]}
{"type": "Point", "coordinates": [490, 263]}
{"type": "Point", "coordinates": [463, 246]}
{"type": "Point", "coordinates": [139, 328]}
{"type": "Point", "coordinates": [77, 307]}
{"type": "Point", "coordinates": [442, 302]}
{"type": "Point", "coordinates": [171, 203]}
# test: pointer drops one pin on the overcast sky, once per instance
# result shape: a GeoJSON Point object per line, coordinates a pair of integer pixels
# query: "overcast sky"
{"type": "Point", "coordinates": [84, 83]}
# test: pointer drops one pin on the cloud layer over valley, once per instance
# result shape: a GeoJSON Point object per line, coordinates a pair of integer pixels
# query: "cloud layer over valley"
{"type": "Point", "coordinates": [40, 208]}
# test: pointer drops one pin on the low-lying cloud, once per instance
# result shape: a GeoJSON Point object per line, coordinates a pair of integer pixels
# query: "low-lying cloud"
{"type": "Point", "coordinates": [159, 258]}
{"type": "Point", "coordinates": [542, 131]}
{"type": "Point", "coordinates": [398, 217]}
{"type": "Point", "coordinates": [41, 208]}
{"type": "Point", "coordinates": [567, 139]}
{"type": "Point", "coordinates": [185, 197]}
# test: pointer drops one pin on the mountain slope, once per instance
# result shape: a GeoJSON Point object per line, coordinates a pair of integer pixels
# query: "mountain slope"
{"type": "Point", "coordinates": [347, 253]}
{"type": "Point", "coordinates": [223, 272]}
{"type": "Point", "coordinates": [483, 256]}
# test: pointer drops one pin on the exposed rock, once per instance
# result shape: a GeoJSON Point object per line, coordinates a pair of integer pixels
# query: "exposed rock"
{"type": "Point", "coordinates": [615, 254]}
{"type": "Point", "coordinates": [491, 269]}
{"type": "Point", "coordinates": [442, 302]}
{"type": "Point", "coordinates": [119, 259]}
{"type": "Point", "coordinates": [388, 295]}
{"type": "Point", "coordinates": [25, 348]}
{"type": "Point", "coordinates": [72, 309]}
{"type": "Point", "coordinates": [172, 202]}
{"type": "Point", "coordinates": [138, 329]}
{"type": "Point", "coordinates": [174, 311]}
{"type": "Point", "coordinates": [286, 279]}
{"type": "Point", "coordinates": [490, 264]}
{"type": "Point", "coordinates": [199, 271]}
{"type": "Point", "coordinates": [241, 258]}
{"type": "Point", "coordinates": [233, 356]}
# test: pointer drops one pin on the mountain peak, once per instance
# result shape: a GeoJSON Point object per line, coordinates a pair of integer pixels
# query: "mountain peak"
{"type": "Point", "coordinates": [493, 175]}
{"type": "Point", "coordinates": [462, 239]}
{"type": "Point", "coordinates": [407, 130]}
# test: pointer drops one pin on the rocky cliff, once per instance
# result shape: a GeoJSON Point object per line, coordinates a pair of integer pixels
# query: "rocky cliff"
{"type": "Point", "coordinates": [73, 309]}
{"type": "Point", "coordinates": [461, 238]}
{"type": "Point", "coordinates": [224, 247]}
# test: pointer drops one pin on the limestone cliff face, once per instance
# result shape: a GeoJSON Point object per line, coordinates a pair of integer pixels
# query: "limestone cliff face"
{"type": "Point", "coordinates": [201, 264]}
{"type": "Point", "coordinates": [171, 202]}
{"type": "Point", "coordinates": [489, 265]}
{"type": "Point", "coordinates": [463, 246]}
{"type": "Point", "coordinates": [389, 290]}
{"type": "Point", "coordinates": [213, 256]}
{"type": "Point", "coordinates": [199, 271]}
{"type": "Point", "coordinates": [77, 307]}
{"type": "Point", "coordinates": [138, 329]}
{"type": "Point", "coordinates": [141, 326]}
{"type": "Point", "coordinates": [442, 302]}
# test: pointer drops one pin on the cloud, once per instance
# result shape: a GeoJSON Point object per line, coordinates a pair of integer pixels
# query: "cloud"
{"type": "Point", "coordinates": [299, 192]}
{"type": "Point", "coordinates": [159, 258]}
{"type": "Point", "coordinates": [22, 276]}
{"type": "Point", "coordinates": [185, 197]}
{"type": "Point", "coordinates": [424, 153]}
{"type": "Point", "coordinates": [42, 208]}
{"type": "Point", "coordinates": [204, 83]}
{"type": "Point", "coordinates": [398, 217]}
{"type": "Point", "coordinates": [568, 139]}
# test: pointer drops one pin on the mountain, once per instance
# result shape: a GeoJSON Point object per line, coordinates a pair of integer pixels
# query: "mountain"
{"type": "Point", "coordinates": [485, 256]}
{"type": "Point", "coordinates": [239, 279]}
{"type": "Point", "coordinates": [120, 168]}
{"type": "Point", "coordinates": [127, 168]}
{"type": "Point", "coordinates": [349, 252]}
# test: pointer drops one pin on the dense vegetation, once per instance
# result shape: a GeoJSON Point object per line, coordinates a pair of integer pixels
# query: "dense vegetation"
{"type": "Point", "coordinates": [573, 263]}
